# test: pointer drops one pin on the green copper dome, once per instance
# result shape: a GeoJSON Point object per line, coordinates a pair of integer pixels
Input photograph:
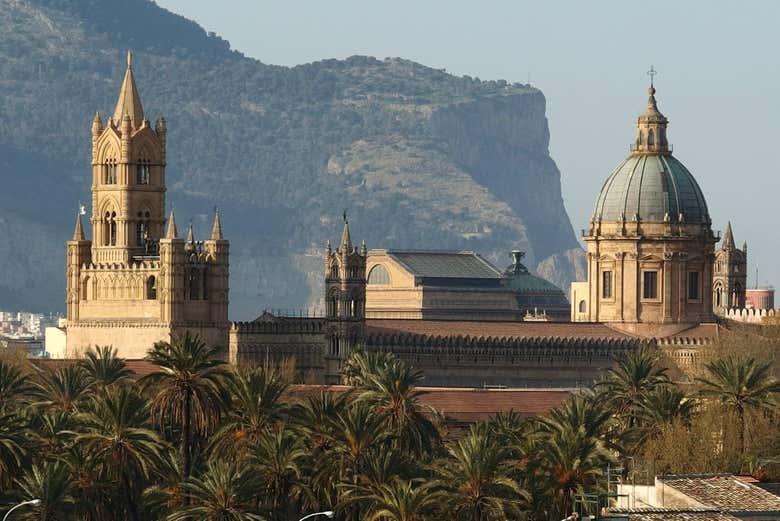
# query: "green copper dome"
{"type": "Point", "coordinates": [654, 188]}
{"type": "Point", "coordinates": [651, 185]}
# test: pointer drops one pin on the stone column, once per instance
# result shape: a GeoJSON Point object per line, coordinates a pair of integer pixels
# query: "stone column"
{"type": "Point", "coordinates": [667, 293]}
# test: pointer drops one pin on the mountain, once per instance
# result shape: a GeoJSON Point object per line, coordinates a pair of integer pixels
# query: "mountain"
{"type": "Point", "coordinates": [418, 157]}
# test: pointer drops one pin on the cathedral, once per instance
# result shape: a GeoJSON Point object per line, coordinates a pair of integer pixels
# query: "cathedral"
{"type": "Point", "coordinates": [655, 277]}
{"type": "Point", "coordinates": [137, 281]}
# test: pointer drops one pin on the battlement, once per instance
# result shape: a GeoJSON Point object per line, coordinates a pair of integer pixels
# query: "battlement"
{"type": "Point", "coordinates": [752, 315]}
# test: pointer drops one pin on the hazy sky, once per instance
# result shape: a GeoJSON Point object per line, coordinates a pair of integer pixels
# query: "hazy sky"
{"type": "Point", "coordinates": [718, 80]}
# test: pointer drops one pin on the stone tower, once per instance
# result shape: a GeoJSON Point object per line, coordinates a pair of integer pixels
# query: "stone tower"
{"type": "Point", "coordinates": [650, 244]}
{"type": "Point", "coordinates": [730, 280]}
{"type": "Point", "coordinates": [135, 282]}
{"type": "Point", "coordinates": [345, 301]}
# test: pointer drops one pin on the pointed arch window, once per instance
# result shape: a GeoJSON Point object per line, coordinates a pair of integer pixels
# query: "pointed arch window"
{"type": "Point", "coordinates": [143, 172]}
{"type": "Point", "coordinates": [151, 288]}
{"type": "Point", "coordinates": [142, 227]}
{"type": "Point", "coordinates": [109, 237]}
{"type": "Point", "coordinates": [109, 171]}
{"type": "Point", "coordinates": [334, 271]}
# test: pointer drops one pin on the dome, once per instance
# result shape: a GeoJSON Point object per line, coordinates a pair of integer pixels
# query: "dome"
{"type": "Point", "coordinates": [654, 188]}
{"type": "Point", "coordinates": [651, 185]}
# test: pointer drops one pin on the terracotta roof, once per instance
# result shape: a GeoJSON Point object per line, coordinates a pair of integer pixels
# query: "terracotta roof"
{"type": "Point", "coordinates": [699, 331]}
{"type": "Point", "coordinates": [469, 405]}
{"type": "Point", "coordinates": [494, 329]}
{"type": "Point", "coordinates": [674, 514]}
{"type": "Point", "coordinates": [724, 491]}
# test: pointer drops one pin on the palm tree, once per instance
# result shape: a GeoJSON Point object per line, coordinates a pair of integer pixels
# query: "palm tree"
{"type": "Point", "coordinates": [49, 432]}
{"type": "Point", "coordinates": [390, 389]}
{"type": "Point", "coordinates": [401, 500]}
{"type": "Point", "coordinates": [256, 407]}
{"type": "Point", "coordinates": [104, 367]}
{"type": "Point", "coordinates": [223, 493]}
{"type": "Point", "coordinates": [660, 408]}
{"type": "Point", "coordinates": [188, 390]}
{"type": "Point", "coordinates": [573, 448]}
{"type": "Point", "coordinates": [742, 384]}
{"type": "Point", "coordinates": [278, 459]}
{"type": "Point", "coordinates": [61, 388]}
{"type": "Point", "coordinates": [14, 384]}
{"type": "Point", "coordinates": [113, 432]}
{"type": "Point", "coordinates": [51, 483]}
{"type": "Point", "coordinates": [358, 432]}
{"type": "Point", "coordinates": [477, 478]}
{"type": "Point", "coordinates": [13, 442]}
{"type": "Point", "coordinates": [634, 376]}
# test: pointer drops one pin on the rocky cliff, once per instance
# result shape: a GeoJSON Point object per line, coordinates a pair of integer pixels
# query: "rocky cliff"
{"type": "Point", "coordinates": [419, 158]}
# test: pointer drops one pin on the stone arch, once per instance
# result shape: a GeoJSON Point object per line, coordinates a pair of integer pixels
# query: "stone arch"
{"type": "Point", "coordinates": [379, 276]}
{"type": "Point", "coordinates": [583, 306]}
{"type": "Point", "coordinates": [151, 288]}
{"type": "Point", "coordinates": [650, 138]}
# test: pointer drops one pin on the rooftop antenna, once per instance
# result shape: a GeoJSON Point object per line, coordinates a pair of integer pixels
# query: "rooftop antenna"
{"type": "Point", "coordinates": [756, 276]}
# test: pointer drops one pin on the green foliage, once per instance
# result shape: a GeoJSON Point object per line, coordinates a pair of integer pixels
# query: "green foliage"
{"type": "Point", "coordinates": [424, 156]}
{"type": "Point", "coordinates": [95, 445]}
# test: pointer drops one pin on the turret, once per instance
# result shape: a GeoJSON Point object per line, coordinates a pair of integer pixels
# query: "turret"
{"type": "Point", "coordinates": [345, 298]}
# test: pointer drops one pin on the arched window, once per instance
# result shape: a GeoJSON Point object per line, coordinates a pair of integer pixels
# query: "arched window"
{"type": "Point", "coordinates": [718, 296]}
{"type": "Point", "coordinates": [332, 304]}
{"type": "Point", "coordinates": [641, 138]}
{"type": "Point", "coordinates": [84, 286]}
{"type": "Point", "coordinates": [143, 172]}
{"type": "Point", "coordinates": [109, 237]}
{"type": "Point", "coordinates": [378, 275]}
{"type": "Point", "coordinates": [194, 284]}
{"type": "Point", "coordinates": [334, 271]}
{"type": "Point", "coordinates": [109, 171]}
{"type": "Point", "coordinates": [650, 137]}
{"type": "Point", "coordinates": [142, 227]}
{"type": "Point", "coordinates": [583, 306]}
{"type": "Point", "coordinates": [151, 288]}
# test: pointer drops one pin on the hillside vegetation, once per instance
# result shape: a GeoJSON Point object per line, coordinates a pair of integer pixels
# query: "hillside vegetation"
{"type": "Point", "coordinates": [418, 157]}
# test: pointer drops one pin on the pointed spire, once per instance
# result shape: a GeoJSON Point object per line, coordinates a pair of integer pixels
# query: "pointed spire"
{"type": "Point", "coordinates": [97, 124]}
{"type": "Point", "coordinates": [190, 235]}
{"type": "Point", "coordinates": [129, 102]}
{"type": "Point", "coordinates": [346, 240]}
{"type": "Point", "coordinates": [172, 232]}
{"type": "Point", "coordinates": [78, 233]}
{"type": "Point", "coordinates": [651, 126]}
{"type": "Point", "coordinates": [728, 238]}
{"type": "Point", "coordinates": [216, 230]}
{"type": "Point", "coordinates": [363, 249]}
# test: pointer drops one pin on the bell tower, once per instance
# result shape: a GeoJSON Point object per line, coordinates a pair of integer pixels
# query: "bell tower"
{"type": "Point", "coordinates": [730, 280]}
{"type": "Point", "coordinates": [345, 301]}
{"type": "Point", "coordinates": [137, 282]}
{"type": "Point", "coordinates": [128, 178]}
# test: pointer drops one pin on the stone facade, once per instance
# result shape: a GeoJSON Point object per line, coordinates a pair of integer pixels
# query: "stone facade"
{"type": "Point", "coordinates": [650, 245]}
{"type": "Point", "coordinates": [730, 279]}
{"type": "Point", "coordinates": [132, 285]}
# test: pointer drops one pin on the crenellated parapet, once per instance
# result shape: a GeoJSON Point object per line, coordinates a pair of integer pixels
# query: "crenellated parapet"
{"type": "Point", "coordinates": [752, 315]}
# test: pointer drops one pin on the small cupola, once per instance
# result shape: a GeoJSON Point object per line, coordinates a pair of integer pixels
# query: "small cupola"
{"type": "Point", "coordinates": [651, 127]}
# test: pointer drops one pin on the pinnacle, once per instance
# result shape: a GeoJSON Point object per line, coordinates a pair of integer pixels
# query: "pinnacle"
{"type": "Point", "coordinates": [78, 232]}
{"type": "Point", "coordinates": [129, 101]}
{"type": "Point", "coordinates": [172, 232]}
{"type": "Point", "coordinates": [216, 230]}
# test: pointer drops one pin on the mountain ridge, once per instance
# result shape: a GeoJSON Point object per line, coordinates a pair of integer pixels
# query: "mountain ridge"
{"type": "Point", "coordinates": [420, 158]}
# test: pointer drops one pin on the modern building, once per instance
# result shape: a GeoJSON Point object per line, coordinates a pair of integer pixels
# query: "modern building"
{"type": "Point", "coordinates": [136, 281]}
{"type": "Point", "coordinates": [760, 298]}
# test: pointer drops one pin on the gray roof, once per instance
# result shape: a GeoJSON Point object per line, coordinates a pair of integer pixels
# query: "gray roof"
{"type": "Point", "coordinates": [673, 514]}
{"type": "Point", "coordinates": [445, 264]}
{"type": "Point", "coordinates": [652, 187]}
{"type": "Point", "coordinates": [724, 491]}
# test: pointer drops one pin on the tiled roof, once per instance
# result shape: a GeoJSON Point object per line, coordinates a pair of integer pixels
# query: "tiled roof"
{"type": "Point", "coordinates": [445, 264]}
{"type": "Point", "coordinates": [724, 491]}
{"type": "Point", "coordinates": [699, 331]}
{"type": "Point", "coordinates": [494, 329]}
{"type": "Point", "coordinates": [667, 514]}
{"type": "Point", "coordinates": [468, 405]}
